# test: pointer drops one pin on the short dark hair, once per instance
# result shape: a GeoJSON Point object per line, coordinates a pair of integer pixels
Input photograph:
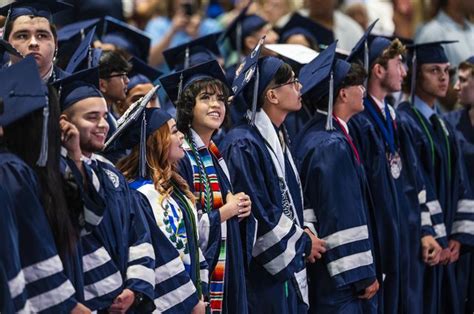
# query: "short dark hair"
{"type": "Point", "coordinates": [113, 61]}
{"type": "Point", "coordinates": [355, 77]}
{"type": "Point", "coordinates": [187, 101]}
{"type": "Point", "coordinates": [465, 65]}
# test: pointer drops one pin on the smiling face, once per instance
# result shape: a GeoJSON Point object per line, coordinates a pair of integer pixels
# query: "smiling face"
{"type": "Point", "coordinates": [209, 110]}
{"type": "Point", "coordinates": [33, 36]}
{"type": "Point", "coordinates": [176, 151]}
{"type": "Point", "coordinates": [89, 116]}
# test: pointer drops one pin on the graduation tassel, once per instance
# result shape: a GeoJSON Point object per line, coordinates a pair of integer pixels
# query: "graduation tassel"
{"type": "Point", "coordinates": [238, 37]}
{"type": "Point", "coordinates": [186, 58]}
{"type": "Point", "coordinates": [7, 20]}
{"type": "Point", "coordinates": [43, 157]}
{"type": "Point", "coordinates": [142, 162]}
{"type": "Point", "coordinates": [413, 78]}
{"type": "Point", "coordinates": [255, 96]}
{"type": "Point", "coordinates": [366, 64]}
{"type": "Point", "coordinates": [330, 103]}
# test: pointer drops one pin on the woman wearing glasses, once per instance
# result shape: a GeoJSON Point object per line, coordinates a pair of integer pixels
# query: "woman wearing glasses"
{"type": "Point", "coordinates": [261, 165]}
{"type": "Point", "coordinates": [200, 94]}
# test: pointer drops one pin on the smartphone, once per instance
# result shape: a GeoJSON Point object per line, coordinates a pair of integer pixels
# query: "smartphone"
{"type": "Point", "coordinates": [188, 9]}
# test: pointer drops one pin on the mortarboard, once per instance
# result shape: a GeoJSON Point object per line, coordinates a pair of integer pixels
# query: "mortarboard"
{"type": "Point", "coordinates": [242, 26]}
{"type": "Point", "coordinates": [298, 53]}
{"type": "Point", "coordinates": [299, 24]}
{"type": "Point", "coordinates": [176, 82]}
{"type": "Point", "coordinates": [126, 37]}
{"type": "Point", "coordinates": [78, 86]}
{"type": "Point", "coordinates": [323, 75]}
{"type": "Point", "coordinates": [141, 73]}
{"type": "Point", "coordinates": [21, 97]}
{"type": "Point", "coordinates": [470, 60]}
{"type": "Point", "coordinates": [192, 53]}
{"type": "Point", "coordinates": [134, 127]}
{"type": "Point", "coordinates": [40, 8]}
{"type": "Point", "coordinates": [79, 29]}
{"type": "Point", "coordinates": [361, 49]}
{"type": "Point", "coordinates": [82, 53]}
{"type": "Point", "coordinates": [5, 46]}
{"type": "Point", "coordinates": [422, 53]}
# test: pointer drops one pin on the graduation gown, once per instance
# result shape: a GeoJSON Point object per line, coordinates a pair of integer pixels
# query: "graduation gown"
{"type": "Point", "coordinates": [453, 218]}
{"type": "Point", "coordinates": [48, 288]}
{"type": "Point", "coordinates": [175, 286]}
{"type": "Point", "coordinates": [118, 254]}
{"type": "Point", "coordinates": [276, 271]}
{"type": "Point", "coordinates": [461, 123]}
{"type": "Point", "coordinates": [235, 294]}
{"type": "Point", "coordinates": [327, 164]}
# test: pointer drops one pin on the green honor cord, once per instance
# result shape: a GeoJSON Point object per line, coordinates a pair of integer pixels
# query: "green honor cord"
{"type": "Point", "coordinates": [425, 128]}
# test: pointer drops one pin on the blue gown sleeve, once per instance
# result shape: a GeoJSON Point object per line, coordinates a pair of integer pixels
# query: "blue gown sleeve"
{"type": "Point", "coordinates": [340, 213]}
{"type": "Point", "coordinates": [280, 243]}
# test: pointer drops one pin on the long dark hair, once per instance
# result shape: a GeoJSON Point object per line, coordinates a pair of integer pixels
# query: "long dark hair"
{"type": "Point", "coordinates": [23, 138]}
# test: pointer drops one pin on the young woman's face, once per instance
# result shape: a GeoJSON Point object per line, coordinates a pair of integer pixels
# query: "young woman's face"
{"type": "Point", "coordinates": [208, 111]}
{"type": "Point", "coordinates": [176, 151]}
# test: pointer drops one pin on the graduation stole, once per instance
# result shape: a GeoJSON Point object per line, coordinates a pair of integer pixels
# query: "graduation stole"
{"type": "Point", "coordinates": [209, 196]}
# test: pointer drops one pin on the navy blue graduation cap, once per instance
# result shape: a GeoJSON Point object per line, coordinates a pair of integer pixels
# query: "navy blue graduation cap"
{"type": "Point", "coordinates": [361, 49]}
{"type": "Point", "coordinates": [176, 82]}
{"type": "Point", "coordinates": [192, 53]}
{"type": "Point", "coordinates": [141, 73]}
{"type": "Point", "coordinates": [83, 53]}
{"type": "Point", "coordinates": [5, 46]}
{"type": "Point", "coordinates": [41, 8]}
{"type": "Point", "coordinates": [77, 29]}
{"type": "Point", "coordinates": [242, 26]}
{"type": "Point", "coordinates": [323, 76]}
{"type": "Point", "coordinates": [21, 97]}
{"type": "Point", "coordinates": [134, 127]}
{"type": "Point", "coordinates": [470, 60]}
{"type": "Point", "coordinates": [423, 53]}
{"type": "Point", "coordinates": [78, 86]}
{"type": "Point", "coordinates": [299, 24]}
{"type": "Point", "coordinates": [126, 37]}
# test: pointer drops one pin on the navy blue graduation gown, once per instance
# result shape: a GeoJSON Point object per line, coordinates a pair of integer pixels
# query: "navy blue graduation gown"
{"type": "Point", "coordinates": [327, 165]}
{"type": "Point", "coordinates": [235, 295]}
{"type": "Point", "coordinates": [175, 287]}
{"type": "Point", "coordinates": [118, 254]}
{"type": "Point", "coordinates": [271, 283]}
{"type": "Point", "coordinates": [295, 122]}
{"type": "Point", "coordinates": [48, 288]}
{"type": "Point", "coordinates": [455, 203]}
{"type": "Point", "coordinates": [461, 123]}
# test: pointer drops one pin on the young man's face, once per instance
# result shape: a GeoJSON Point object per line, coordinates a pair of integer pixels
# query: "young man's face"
{"type": "Point", "coordinates": [114, 87]}
{"type": "Point", "coordinates": [433, 79]}
{"type": "Point", "coordinates": [33, 36]}
{"type": "Point", "coordinates": [465, 87]}
{"type": "Point", "coordinates": [393, 75]}
{"type": "Point", "coordinates": [89, 116]}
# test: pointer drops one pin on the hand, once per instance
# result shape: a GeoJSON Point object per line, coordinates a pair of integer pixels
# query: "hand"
{"type": "Point", "coordinates": [80, 309]}
{"type": "Point", "coordinates": [370, 291]}
{"type": "Point", "coordinates": [454, 247]}
{"type": "Point", "coordinates": [318, 247]}
{"type": "Point", "coordinates": [431, 250]}
{"type": "Point", "coordinates": [70, 138]}
{"type": "Point", "coordinates": [445, 256]}
{"type": "Point", "coordinates": [200, 308]}
{"type": "Point", "coordinates": [245, 206]}
{"type": "Point", "coordinates": [234, 205]}
{"type": "Point", "coordinates": [122, 302]}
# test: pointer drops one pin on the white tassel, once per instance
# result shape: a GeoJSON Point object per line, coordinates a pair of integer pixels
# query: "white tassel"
{"type": "Point", "coordinates": [142, 163]}
{"type": "Point", "coordinates": [330, 103]}
{"type": "Point", "coordinates": [255, 96]}
{"type": "Point", "coordinates": [43, 157]}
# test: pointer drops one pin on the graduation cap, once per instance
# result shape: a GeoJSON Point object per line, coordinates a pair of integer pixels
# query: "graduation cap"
{"type": "Point", "coordinates": [299, 24]}
{"type": "Point", "coordinates": [82, 53]}
{"type": "Point", "coordinates": [298, 53]}
{"type": "Point", "coordinates": [141, 73]}
{"type": "Point", "coordinates": [324, 75]}
{"type": "Point", "coordinates": [423, 53]}
{"type": "Point", "coordinates": [21, 97]}
{"type": "Point", "coordinates": [126, 37]}
{"type": "Point", "coordinates": [5, 46]}
{"type": "Point", "coordinates": [177, 82]}
{"type": "Point", "coordinates": [134, 127]}
{"type": "Point", "coordinates": [242, 26]}
{"type": "Point", "coordinates": [78, 86]}
{"type": "Point", "coordinates": [77, 29]}
{"type": "Point", "coordinates": [40, 8]}
{"type": "Point", "coordinates": [470, 60]}
{"type": "Point", "coordinates": [194, 52]}
{"type": "Point", "coordinates": [361, 49]}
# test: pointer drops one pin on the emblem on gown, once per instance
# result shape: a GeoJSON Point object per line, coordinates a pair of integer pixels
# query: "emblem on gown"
{"type": "Point", "coordinates": [395, 163]}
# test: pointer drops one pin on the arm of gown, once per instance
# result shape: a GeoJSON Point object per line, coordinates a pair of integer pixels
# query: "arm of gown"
{"type": "Point", "coordinates": [49, 290]}
{"type": "Point", "coordinates": [281, 244]}
{"type": "Point", "coordinates": [341, 217]}
{"type": "Point", "coordinates": [174, 289]}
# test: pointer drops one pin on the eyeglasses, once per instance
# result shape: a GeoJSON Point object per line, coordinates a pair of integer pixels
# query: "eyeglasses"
{"type": "Point", "coordinates": [294, 81]}
{"type": "Point", "coordinates": [122, 75]}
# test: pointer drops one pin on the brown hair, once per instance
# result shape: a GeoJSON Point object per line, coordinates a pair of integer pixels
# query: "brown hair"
{"type": "Point", "coordinates": [162, 172]}
{"type": "Point", "coordinates": [396, 48]}
{"type": "Point", "coordinates": [467, 66]}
